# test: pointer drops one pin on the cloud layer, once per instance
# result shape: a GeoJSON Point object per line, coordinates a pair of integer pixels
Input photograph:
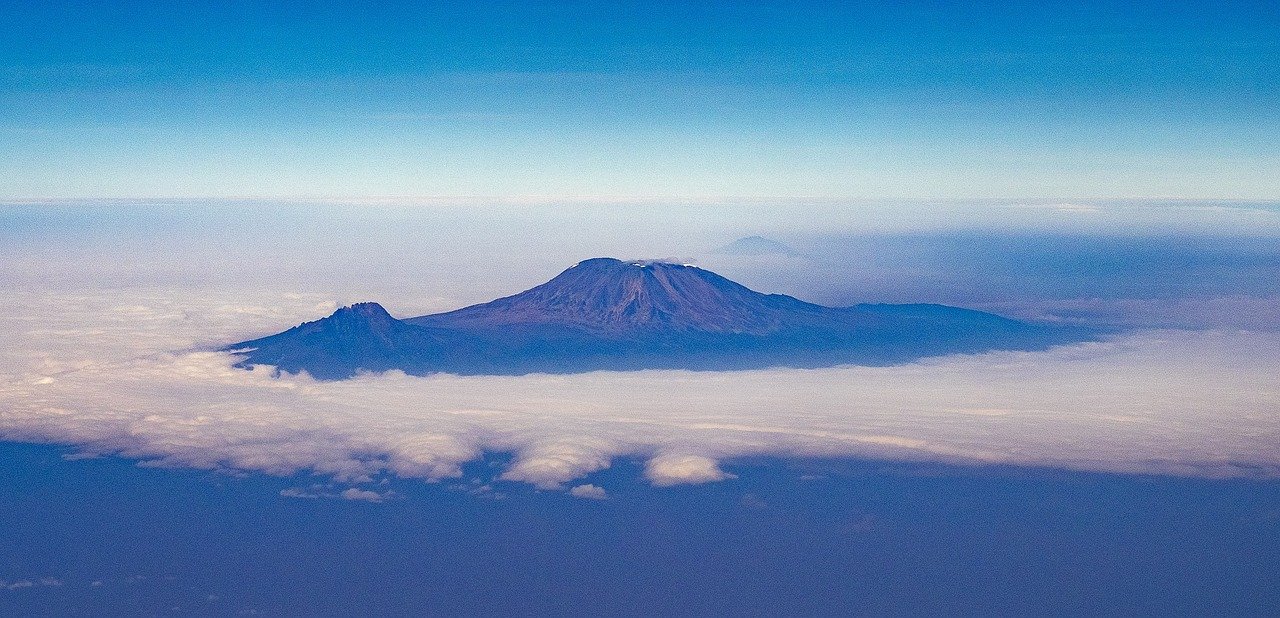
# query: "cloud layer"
{"type": "Point", "coordinates": [126, 373]}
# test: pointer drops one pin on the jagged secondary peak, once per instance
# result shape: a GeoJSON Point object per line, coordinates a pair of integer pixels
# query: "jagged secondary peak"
{"type": "Point", "coordinates": [361, 320]}
{"type": "Point", "coordinates": [363, 311]}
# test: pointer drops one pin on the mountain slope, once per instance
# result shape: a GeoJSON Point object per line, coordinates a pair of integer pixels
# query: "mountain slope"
{"type": "Point", "coordinates": [609, 296]}
{"type": "Point", "coordinates": [361, 337]}
{"type": "Point", "coordinates": [610, 314]}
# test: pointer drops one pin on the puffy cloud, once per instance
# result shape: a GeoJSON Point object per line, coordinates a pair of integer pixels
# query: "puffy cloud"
{"type": "Point", "coordinates": [131, 373]}
{"type": "Point", "coordinates": [590, 491]}
{"type": "Point", "coordinates": [670, 469]}
{"type": "Point", "coordinates": [550, 464]}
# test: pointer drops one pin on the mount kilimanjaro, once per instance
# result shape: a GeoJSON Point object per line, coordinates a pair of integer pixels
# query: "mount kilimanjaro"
{"type": "Point", "coordinates": [607, 314]}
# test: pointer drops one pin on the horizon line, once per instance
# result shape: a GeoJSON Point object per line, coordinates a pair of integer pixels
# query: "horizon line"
{"type": "Point", "coordinates": [425, 200]}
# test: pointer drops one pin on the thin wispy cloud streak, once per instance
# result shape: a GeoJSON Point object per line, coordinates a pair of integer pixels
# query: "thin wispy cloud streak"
{"type": "Point", "coordinates": [129, 374]}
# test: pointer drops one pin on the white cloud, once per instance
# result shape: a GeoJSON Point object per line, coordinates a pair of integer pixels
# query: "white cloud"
{"type": "Point", "coordinates": [355, 493]}
{"type": "Point", "coordinates": [128, 373]}
{"type": "Point", "coordinates": [590, 491]}
{"type": "Point", "coordinates": [328, 491]}
{"type": "Point", "coordinates": [43, 582]}
{"type": "Point", "coordinates": [298, 492]}
{"type": "Point", "coordinates": [668, 469]}
{"type": "Point", "coordinates": [550, 464]}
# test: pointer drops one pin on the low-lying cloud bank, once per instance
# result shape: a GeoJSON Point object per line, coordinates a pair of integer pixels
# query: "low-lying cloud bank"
{"type": "Point", "coordinates": [123, 373]}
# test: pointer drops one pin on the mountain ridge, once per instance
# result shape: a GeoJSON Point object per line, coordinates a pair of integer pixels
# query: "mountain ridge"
{"type": "Point", "coordinates": [610, 314]}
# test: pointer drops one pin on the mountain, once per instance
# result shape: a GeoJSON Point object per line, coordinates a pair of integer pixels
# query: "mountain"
{"type": "Point", "coordinates": [755, 246]}
{"type": "Point", "coordinates": [607, 314]}
{"type": "Point", "coordinates": [615, 298]}
{"type": "Point", "coordinates": [361, 337]}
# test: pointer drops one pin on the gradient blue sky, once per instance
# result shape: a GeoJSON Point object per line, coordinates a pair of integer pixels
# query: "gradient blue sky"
{"type": "Point", "coordinates": [608, 99]}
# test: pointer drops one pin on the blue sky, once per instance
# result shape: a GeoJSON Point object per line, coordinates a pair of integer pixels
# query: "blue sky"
{"type": "Point", "coordinates": [178, 176]}
{"type": "Point", "coordinates": [685, 100]}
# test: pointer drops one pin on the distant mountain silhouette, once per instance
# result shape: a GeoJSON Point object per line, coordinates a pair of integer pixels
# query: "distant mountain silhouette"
{"type": "Point", "coordinates": [609, 314]}
{"type": "Point", "coordinates": [757, 246]}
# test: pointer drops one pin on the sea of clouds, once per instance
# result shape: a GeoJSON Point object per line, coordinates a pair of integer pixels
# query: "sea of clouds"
{"type": "Point", "coordinates": [130, 372]}
{"type": "Point", "coordinates": [110, 313]}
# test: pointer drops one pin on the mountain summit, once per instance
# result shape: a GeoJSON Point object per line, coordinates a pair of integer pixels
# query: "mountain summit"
{"type": "Point", "coordinates": [610, 296]}
{"type": "Point", "coordinates": [610, 314]}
